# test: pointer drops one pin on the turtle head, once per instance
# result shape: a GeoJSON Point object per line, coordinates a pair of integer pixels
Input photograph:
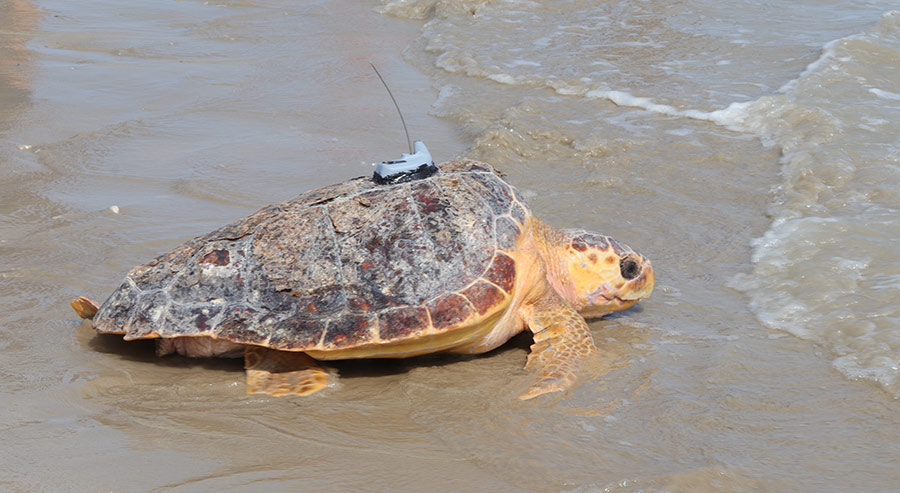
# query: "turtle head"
{"type": "Point", "coordinates": [604, 275]}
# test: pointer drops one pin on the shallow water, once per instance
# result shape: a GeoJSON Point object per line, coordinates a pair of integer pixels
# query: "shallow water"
{"type": "Point", "coordinates": [749, 152]}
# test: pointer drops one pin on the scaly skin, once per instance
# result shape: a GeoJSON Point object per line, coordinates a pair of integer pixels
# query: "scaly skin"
{"type": "Point", "coordinates": [562, 340]}
{"type": "Point", "coordinates": [572, 274]}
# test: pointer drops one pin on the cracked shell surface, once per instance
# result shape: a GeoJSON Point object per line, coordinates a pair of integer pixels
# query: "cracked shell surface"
{"type": "Point", "coordinates": [343, 266]}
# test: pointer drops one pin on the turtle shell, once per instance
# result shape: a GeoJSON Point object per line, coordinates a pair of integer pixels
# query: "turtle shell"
{"type": "Point", "coordinates": [339, 267]}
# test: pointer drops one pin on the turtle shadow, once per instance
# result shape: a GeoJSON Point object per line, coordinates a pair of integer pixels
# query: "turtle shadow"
{"type": "Point", "coordinates": [617, 315]}
{"type": "Point", "coordinates": [144, 351]}
{"type": "Point", "coordinates": [382, 367]}
{"type": "Point", "coordinates": [141, 350]}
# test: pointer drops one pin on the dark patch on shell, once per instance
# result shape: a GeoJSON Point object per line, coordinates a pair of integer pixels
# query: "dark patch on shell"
{"type": "Point", "coordinates": [260, 293]}
{"type": "Point", "coordinates": [502, 272]}
{"type": "Point", "coordinates": [319, 302]}
{"type": "Point", "coordinates": [239, 324]}
{"type": "Point", "coordinates": [215, 275]}
{"type": "Point", "coordinates": [293, 332]}
{"type": "Point", "coordinates": [448, 310]}
{"type": "Point", "coordinates": [358, 305]}
{"type": "Point", "coordinates": [193, 319]}
{"type": "Point", "coordinates": [348, 330]}
{"type": "Point", "coordinates": [428, 199]}
{"type": "Point", "coordinates": [402, 322]}
{"type": "Point", "coordinates": [217, 257]}
{"type": "Point", "coordinates": [201, 323]}
{"type": "Point", "coordinates": [483, 296]}
{"type": "Point", "coordinates": [201, 319]}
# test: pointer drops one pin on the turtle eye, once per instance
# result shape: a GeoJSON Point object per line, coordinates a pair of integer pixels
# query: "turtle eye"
{"type": "Point", "coordinates": [629, 268]}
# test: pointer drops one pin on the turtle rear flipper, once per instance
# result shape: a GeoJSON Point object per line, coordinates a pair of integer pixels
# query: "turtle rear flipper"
{"type": "Point", "coordinates": [85, 308]}
{"type": "Point", "coordinates": [279, 373]}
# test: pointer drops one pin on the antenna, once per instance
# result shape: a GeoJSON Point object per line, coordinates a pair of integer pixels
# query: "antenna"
{"type": "Point", "coordinates": [408, 141]}
{"type": "Point", "coordinates": [413, 166]}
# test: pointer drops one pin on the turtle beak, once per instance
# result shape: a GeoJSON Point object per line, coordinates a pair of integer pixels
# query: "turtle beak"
{"type": "Point", "coordinates": [605, 300]}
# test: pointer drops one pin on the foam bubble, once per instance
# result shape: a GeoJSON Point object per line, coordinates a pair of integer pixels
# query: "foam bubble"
{"type": "Point", "coordinates": [503, 79]}
{"type": "Point", "coordinates": [884, 94]}
{"type": "Point", "coordinates": [735, 116]}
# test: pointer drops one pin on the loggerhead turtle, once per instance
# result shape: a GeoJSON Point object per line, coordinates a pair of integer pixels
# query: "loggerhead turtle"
{"type": "Point", "coordinates": [451, 263]}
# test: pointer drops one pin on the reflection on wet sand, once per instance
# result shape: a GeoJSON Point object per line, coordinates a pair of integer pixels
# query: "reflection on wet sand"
{"type": "Point", "coordinates": [18, 19]}
{"type": "Point", "coordinates": [16, 27]}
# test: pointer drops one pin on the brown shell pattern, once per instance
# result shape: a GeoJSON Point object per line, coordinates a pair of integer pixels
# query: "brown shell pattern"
{"type": "Point", "coordinates": [345, 265]}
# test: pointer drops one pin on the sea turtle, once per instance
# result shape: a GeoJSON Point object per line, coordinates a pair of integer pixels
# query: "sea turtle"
{"type": "Point", "coordinates": [450, 263]}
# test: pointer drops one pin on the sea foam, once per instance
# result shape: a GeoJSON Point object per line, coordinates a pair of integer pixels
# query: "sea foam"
{"type": "Point", "coordinates": [820, 271]}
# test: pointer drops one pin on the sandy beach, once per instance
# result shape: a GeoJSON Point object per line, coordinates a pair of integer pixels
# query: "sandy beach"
{"type": "Point", "coordinates": [125, 131]}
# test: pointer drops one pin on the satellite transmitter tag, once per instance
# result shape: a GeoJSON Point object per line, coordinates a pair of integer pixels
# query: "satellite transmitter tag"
{"type": "Point", "coordinates": [409, 167]}
{"type": "Point", "coordinates": [413, 166]}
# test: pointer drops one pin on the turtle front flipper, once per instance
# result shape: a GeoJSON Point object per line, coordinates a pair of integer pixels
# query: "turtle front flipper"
{"type": "Point", "coordinates": [85, 308]}
{"type": "Point", "coordinates": [562, 340]}
{"type": "Point", "coordinates": [279, 373]}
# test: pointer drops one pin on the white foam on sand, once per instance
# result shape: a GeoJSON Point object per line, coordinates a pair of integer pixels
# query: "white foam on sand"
{"type": "Point", "coordinates": [734, 116]}
{"type": "Point", "coordinates": [885, 94]}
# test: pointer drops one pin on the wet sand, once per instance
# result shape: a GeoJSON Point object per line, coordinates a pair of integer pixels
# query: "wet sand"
{"type": "Point", "coordinates": [189, 115]}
